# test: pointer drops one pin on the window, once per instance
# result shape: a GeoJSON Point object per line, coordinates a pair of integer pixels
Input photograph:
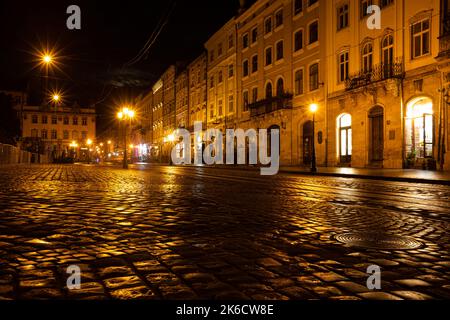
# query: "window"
{"type": "Point", "coordinates": [230, 41]}
{"type": "Point", "coordinates": [419, 128]}
{"type": "Point", "coordinates": [254, 94]}
{"type": "Point", "coordinates": [268, 25]}
{"type": "Point", "coordinates": [298, 40]}
{"type": "Point", "coordinates": [420, 39]}
{"type": "Point", "coordinates": [269, 93]}
{"type": "Point", "coordinates": [230, 71]}
{"type": "Point", "coordinates": [84, 135]}
{"type": "Point", "coordinates": [342, 17]}
{"type": "Point", "coordinates": [66, 135]}
{"type": "Point", "coordinates": [298, 7]}
{"type": "Point", "coordinates": [343, 66]}
{"type": "Point", "coordinates": [34, 133]}
{"type": "Point", "coordinates": [345, 138]}
{"type": "Point", "coordinates": [280, 50]}
{"type": "Point", "coordinates": [231, 104]}
{"type": "Point", "coordinates": [211, 82]}
{"type": "Point", "coordinates": [245, 41]}
{"type": "Point", "coordinates": [387, 55]}
{"type": "Point", "coordinates": [75, 135]}
{"type": "Point", "coordinates": [75, 121]}
{"type": "Point", "coordinates": [313, 32]}
{"type": "Point", "coordinates": [280, 87]}
{"type": "Point", "coordinates": [211, 56]}
{"type": "Point", "coordinates": [54, 134]}
{"type": "Point", "coordinates": [220, 108]}
{"type": "Point", "coordinates": [245, 100]}
{"type": "Point", "coordinates": [314, 77]}
{"type": "Point", "coordinates": [385, 3]}
{"type": "Point", "coordinates": [279, 18]}
{"type": "Point", "coordinates": [44, 119]}
{"type": "Point", "coordinates": [44, 134]}
{"type": "Point", "coordinates": [84, 121]}
{"type": "Point", "coordinates": [211, 111]}
{"type": "Point", "coordinates": [66, 120]}
{"type": "Point", "coordinates": [220, 80]}
{"type": "Point", "coordinates": [34, 119]}
{"type": "Point", "coordinates": [219, 49]}
{"type": "Point", "coordinates": [367, 58]}
{"type": "Point", "coordinates": [268, 56]}
{"type": "Point", "coordinates": [245, 69]}
{"type": "Point", "coordinates": [254, 35]}
{"type": "Point", "coordinates": [299, 82]}
{"type": "Point", "coordinates": [364, 5]}
{"type": "Point", "coordinates": [54, 120]}
{"type": "Point", "coordinates": [254, 63]}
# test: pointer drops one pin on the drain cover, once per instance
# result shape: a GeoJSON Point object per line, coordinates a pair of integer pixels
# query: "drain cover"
{"type": "Point", "coordinates": [378, 241]}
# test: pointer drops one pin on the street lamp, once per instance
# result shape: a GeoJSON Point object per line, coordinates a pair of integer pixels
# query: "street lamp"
{"type": "Point", "coordinates": [313, 108]}
{"type": "Point", "coordinates": [125, 114]}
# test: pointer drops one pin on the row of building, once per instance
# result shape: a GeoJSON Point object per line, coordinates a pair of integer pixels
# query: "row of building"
{"type": "Point", "coordinates": [382, 93]}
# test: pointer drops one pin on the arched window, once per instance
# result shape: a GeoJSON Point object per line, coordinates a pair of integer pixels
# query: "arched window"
{"type": "Point", "coordinates": [280, 87]}
{"type": "Point", "coordinates": [269, 90]}
{"type": "Point", "coordinates": [367, 57]}
{"type": "Point", "coordinates": [345, 138]}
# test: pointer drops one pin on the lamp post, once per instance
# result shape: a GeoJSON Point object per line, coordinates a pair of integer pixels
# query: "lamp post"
{"type": "Point", "coordinates": [313, 108]}
{"type": "Point", "coordinates": [89, 143]}
{"type": "Point", "coordinates": [46, 60]}
{"type": "Point", "coordinates": [124, 115]}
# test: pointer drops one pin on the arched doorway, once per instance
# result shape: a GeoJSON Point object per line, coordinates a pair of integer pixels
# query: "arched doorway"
{"type": "Point", "coordinates": [307, 142]}
{"type": "Point", "coordinates": [376, 134]}
{"type": "Point", "coordinates": [419, 129]}
{"type": "Point", "coordinates": [345, 138]}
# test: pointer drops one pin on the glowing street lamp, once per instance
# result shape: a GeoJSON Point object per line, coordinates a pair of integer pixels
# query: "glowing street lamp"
{"type": "Point", "coordinates": [313, 108]}
{"type": "Point", "coordinates": [126, 113]}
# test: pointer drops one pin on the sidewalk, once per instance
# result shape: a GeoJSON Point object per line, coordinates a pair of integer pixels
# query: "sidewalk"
{"type": "Point", "coordinates": [401, 175]}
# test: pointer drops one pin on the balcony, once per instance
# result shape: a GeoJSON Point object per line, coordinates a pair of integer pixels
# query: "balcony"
{"type": "Point", "coordinates": [269, 105]}
{"type": "Point", "coordinates": [378, 73]}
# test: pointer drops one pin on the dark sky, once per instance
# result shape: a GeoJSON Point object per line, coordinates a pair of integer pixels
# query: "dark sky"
{"type": "Point", "coordinates": [112, 33]}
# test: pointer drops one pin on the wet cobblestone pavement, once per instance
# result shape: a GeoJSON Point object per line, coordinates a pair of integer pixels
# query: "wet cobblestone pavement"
{"type": "Point", "coordinates": [198, 233]}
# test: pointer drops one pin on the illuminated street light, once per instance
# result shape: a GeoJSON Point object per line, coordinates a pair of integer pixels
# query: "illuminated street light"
{"type": "Point", "coordinates": [89, 142]}
{"type": "Point", "coordinates": [313, 108]}
{"type": "Point", "coordinates": [47, 59]}
{"type": "Point", "coordinates": [126, 113]}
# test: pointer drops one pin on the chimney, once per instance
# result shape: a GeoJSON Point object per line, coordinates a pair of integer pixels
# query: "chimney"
{"type": "Point", "coordinates": [241, 6]}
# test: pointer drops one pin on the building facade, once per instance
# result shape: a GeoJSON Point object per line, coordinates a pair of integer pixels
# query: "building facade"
{"type": "Point", "coordinates": [59, 132]}
{"type": "Point", "coordinates": [381, 92]}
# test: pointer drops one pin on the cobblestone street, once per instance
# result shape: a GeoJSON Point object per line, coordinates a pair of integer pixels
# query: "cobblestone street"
{"type": "Point", "coordinates": [199, 233]}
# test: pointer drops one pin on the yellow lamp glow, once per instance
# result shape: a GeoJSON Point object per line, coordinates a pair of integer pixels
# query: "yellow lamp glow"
{"type": "Point", "coordinates": [313, 107]}
{"type": "Point", "coordinates": [89, 142]}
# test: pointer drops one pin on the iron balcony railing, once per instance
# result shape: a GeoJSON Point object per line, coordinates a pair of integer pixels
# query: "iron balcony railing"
{"type": "Point", "coordinates": [269, 105]}
{"type": "Point", "coordinates": [379, 72]}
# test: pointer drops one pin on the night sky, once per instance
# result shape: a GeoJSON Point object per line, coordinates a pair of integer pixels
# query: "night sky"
{"type": "Point", "coordinates": [112, 33]}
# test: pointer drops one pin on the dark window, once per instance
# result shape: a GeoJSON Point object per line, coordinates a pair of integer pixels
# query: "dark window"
{"type": "Point", "coordinates": [298, 6]}
{"type": "Point", "coordinates": [245, 99]}
{"type": "Point", "coordinates": [269, 90]}
{"type": "Point", "coordinates": [254, 64]}
{"type": "Point", "coordinates": [245, 41]}
{"type": "Point", "coordinates": [364, 5]}
{"type": "Point", "coordinates": [314, 77]}
{"type": "Point", "coordinates": [298, 40]}
{"type": "Point", "coordinates": [254, 95]}
{"type": "Point", "coordinates": [268, 25]}
{"type": "Point", "coordinates": [313, 32]}
{"type": "Point", "coordinates": [299, 82]}
{"type": "Point", "coordinates": [34, 119]}
{"type": "Point", "coordinates": [343, 17]}
{"type": "Point", "coordinates": [44, 119]}
{"type": "Point", "coordinates": [279, 18]}
{"type": "Point", "coordinates": [84, 121]}
{"type": "Point", "coordinates": [280, 50]}
{"type": "Point", "coordinates": [54, 120]}
{"type": "Point", "coordinates": [343, 67]}
{"type": "Point", "coordinates": [245, 69]}
{"type": "Point", "coordinates": [280, 87]}
{"type": "Point", "coordinates": [254, 35]}
{"type": "Point", "coordinates": [269, 56]}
